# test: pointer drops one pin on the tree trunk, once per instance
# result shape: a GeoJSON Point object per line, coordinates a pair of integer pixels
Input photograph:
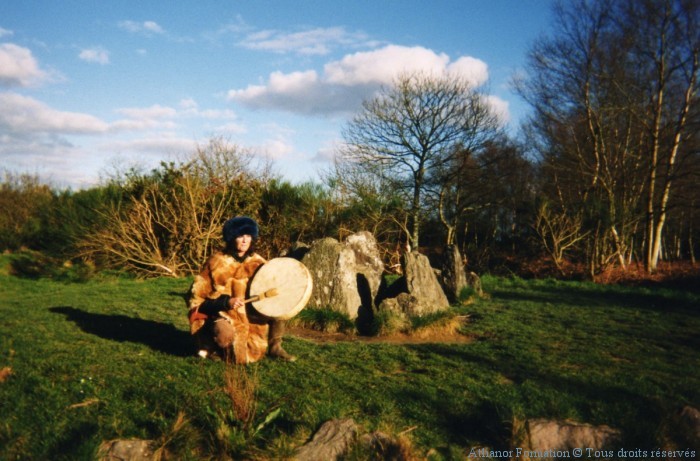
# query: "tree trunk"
{"type": "Point", "coordinates": [415, 207]}
{"type": "Point", "coordinates": [655, 229]}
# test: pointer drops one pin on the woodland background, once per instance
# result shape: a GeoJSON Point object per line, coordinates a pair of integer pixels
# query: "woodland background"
{"type": "Point", "coordinates": [600, 180]}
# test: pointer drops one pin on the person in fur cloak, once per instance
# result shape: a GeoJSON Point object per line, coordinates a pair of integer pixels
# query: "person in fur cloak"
{"type": "Point", "coordinates": [219, 318]}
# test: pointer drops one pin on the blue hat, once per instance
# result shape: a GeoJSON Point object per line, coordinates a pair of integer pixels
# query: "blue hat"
{"type": "Point", "coordinates": [240, 225]}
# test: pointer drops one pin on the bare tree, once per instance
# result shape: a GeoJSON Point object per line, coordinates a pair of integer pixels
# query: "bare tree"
{"type": "Point", "coordinates": [667, 53]}
{"type": "Point", "coordinates": [171, 220]}
{"type": "Point", "coordinates": [558, 232]}
{"type": "Point", "coordinates": [613, 91]}
{"type": "Point", "coordinates": [413, 128]}
{"type": "Point", "coordinates": [495, 179]}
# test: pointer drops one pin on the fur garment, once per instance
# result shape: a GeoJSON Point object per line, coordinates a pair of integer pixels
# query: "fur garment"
{"type": "Point", "coordinates": [222, 277]}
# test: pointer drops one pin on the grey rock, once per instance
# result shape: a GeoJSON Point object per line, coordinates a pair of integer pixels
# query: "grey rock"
{"type": "Point", "coordinates": [330, 442]}
{"type": "Point", "coordinates": [128, 449]}
{"type": "Point", "coordinates": [368, 263]}
{"type": "Point", "coordinates": [422, 283]}
{"type": "Point", "coordinates": [453, 275]}
{"type": "Point", "coordinates": [332, 267]}
{"type": "Point", "coordinates": [542, 435]}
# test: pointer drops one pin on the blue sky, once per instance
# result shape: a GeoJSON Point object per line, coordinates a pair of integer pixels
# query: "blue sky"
{"type": "Point", "coordinates": [90, 86]}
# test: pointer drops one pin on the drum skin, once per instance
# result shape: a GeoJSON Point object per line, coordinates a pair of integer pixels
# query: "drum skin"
{"type": "Point", "coordinates": [293, 283]}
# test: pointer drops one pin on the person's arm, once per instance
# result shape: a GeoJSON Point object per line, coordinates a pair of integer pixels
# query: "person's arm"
{"type": "Point", "coordinates": [240, 283]}
{"type": "Point", "coordinates": [198, 302]}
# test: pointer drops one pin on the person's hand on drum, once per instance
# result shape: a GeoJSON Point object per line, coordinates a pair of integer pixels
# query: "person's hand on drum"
{"type": "Point", "coordinates": [237, 304]}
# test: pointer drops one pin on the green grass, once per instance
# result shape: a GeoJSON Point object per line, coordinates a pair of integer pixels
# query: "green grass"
{"type": "Point", "coordinates": [112, 358]}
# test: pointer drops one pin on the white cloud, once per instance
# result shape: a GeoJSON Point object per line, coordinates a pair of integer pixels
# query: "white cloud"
{"type": "Point", "coordinates": [22, 114]}
{"type": "Point", "coordinates": [36, 138]}
{"type": "Point", "coordinates": [189, 104]}
{"type": "Point", "coordinates": [300, 92]}
{"type": "Point", "coordinates": [151, 26]}
{"type": "Point", "coordinates": [327, 152]}
{"type": "Point", "coordinates": [146, 118]}
{"type": "Point", "coordinates": [318, 41]}
{"type": "Point", "coordinates": [190, 108]}
{"type": "Point", "coordinates": [346, 82]}
{"type": "Point", "coordinates": [5, 32]}
{"type": "Point", "coordinates": [213, 114]}
{"type": "Point", "coordinates": [18, 67]}
{"type": "Point", "coordinates": [500, 107]}
{"type": "Point", "coordinates": [276, 148]}
{"type": "Point", "coordinates": [231, 128]}
{"type": "Point", "coordinates": [145, 27]}
{"type": "Point", "coordinates": [474, 71]}
{"type": "Point", "coordinates": [291, 83]}
{"type": "Point", "coordinates": [161, 145]}
{"type": "Point", "coordinates": [97, 55]}
{"type": "Point", "coordinates": [141, 125]}
{"type": "Point", "coordinates": [383, 65]}
{"type": "Point", "coordinates": [39, 139]}
{"type": "Point", "coordinates": [155, 111]}
{"type": "Point", "coordinates": [55, 161]}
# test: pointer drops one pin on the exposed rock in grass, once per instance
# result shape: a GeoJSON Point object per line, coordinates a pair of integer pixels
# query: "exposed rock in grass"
{"type": "Point", "coordinates": [131, 449]}
{"type": "Point", "coordinates": [406, 304]}
{"type": "Point", "coordinates": [390, 318]}
{"type": "Point", "coordinates": [337, 438]}
{"type": "Point", "coordinates": [544, 436]}
{"type": "Point", "coordinates": [330, 442]}
{"type": "Point", "coordinates": [689, 422]}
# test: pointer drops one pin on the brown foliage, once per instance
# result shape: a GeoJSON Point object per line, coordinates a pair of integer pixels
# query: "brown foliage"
{"type": "Point", "coordinates": [173, 220]}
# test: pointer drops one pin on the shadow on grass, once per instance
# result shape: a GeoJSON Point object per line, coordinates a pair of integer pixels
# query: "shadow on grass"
{"type": "Point", "coordinates": [161, 337]}
{"type": "Point", "coordinates": [487, 420]}
{"type": "Point", "coordinates": [578, 297]}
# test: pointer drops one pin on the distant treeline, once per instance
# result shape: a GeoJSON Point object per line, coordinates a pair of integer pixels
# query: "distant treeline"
{"type": "Point", "coordinates": [166, 221]}
{"type": "Point", "coordinates": [603, 174]}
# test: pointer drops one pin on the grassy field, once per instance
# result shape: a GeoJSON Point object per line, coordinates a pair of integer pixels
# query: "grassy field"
{"type": "Point", "coordinates": [112, 358]}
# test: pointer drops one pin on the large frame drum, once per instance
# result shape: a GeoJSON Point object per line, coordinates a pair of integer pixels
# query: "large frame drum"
{"type": "Point", "coordinates": [293, 283]}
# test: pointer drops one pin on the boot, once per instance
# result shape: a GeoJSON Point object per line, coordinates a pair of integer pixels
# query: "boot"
{"type": "Point", "coordinates": [275, 342]}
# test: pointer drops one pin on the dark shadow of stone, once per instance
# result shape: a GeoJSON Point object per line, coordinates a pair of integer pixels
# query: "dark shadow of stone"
{"type": "Point", "coordinates": [390, 290]}
{"type": "Point", "coordinates": [365, 314]}
{"type": "Point", "coordinates": [298, 251]}
{"type": "Point", "coordinates": [161, 337]}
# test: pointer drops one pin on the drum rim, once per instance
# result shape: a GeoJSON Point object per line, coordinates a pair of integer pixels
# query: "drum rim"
{"type": "Point", "coordinates": [306, 296]}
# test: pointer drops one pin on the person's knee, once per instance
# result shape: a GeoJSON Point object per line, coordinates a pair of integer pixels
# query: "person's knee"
{"type": "Point", "coordinates": [223, 334]}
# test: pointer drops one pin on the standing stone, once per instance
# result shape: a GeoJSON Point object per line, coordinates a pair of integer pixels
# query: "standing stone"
{"type": "Point", "coordinates": [332, 267]}
{"type": "Point", "coordinates": [454, 278]}
{"type": "Point", "coordinates": [368, 261]}
{"type": "Point", "coordinates": [422, 283]}
{"type": "Point", "coordinates": [321, 260]}
{"type": "Point", "coordinates": [474, 282]}
{"type": "Point", "coordinates": [345, 296]}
